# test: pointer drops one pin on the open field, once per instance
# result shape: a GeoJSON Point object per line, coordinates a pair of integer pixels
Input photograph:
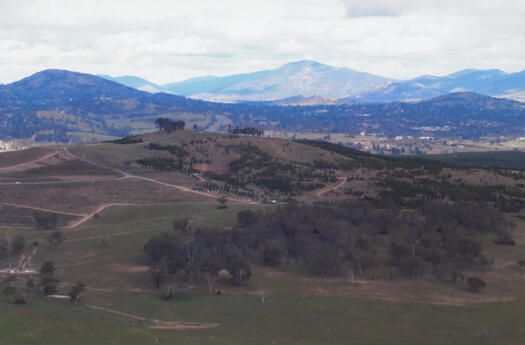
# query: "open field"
{"type": "Point", "coordinates": [305, 310]}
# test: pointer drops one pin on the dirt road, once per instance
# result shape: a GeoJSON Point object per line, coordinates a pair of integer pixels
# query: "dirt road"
{"type": "Point", "coordinates": [87, 217]}
{"type": "Point", "coordinates": [325, 190]}
{"type": "Point", "coordinates": [127, 175]}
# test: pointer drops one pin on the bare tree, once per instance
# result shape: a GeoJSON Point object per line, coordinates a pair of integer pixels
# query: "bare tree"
{"type": "Point", "coordinates": [10, 247]}
{"type": "Point", "coordinates": [210, 271]}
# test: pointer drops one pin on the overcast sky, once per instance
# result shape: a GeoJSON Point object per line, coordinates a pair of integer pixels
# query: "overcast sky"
{"type": "Point", "coordinates": [171, 40]}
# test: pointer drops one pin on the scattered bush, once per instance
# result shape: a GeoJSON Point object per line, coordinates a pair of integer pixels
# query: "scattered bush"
{"type": "Point", "coordinates": [475, 284]}
{"type": "Point", "coordinates": [20, 300]}
{"type": "Point", "coordinates": [272, 253]}
{"type": "Point", "coordinates": [46, 221]}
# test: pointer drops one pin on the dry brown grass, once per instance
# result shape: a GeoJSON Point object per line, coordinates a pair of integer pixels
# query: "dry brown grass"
{"type": "Point", "coordinates": [86, 197]}
{"type": "Point", "coordinates": [129, 268]}
{"type": "Point", "coordinates": [12, 158]}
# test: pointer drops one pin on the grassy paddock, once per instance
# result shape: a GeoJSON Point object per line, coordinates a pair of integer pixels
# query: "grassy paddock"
{"type": "Point", "coordinates": [280, 320]}
{"type": "Point", "coordinates": [297, 309]}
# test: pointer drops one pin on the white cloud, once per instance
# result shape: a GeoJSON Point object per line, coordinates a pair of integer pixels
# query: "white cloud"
{"type": "Point", "coordinates": [371, 8]}
{"type": "Point", "coordinates": [170, 40]}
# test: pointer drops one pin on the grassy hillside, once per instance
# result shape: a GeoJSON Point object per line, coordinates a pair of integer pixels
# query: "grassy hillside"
{"type": "Point", "coordinates": [398, 239]}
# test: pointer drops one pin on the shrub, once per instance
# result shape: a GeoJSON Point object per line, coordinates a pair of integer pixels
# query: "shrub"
{"type": "Point", "coordinates": [46, 221]}
{"type": "Point", "coordinates": [475, 284]}
{"type": "Point", "coordinates": [20, 300]}
{"type": "Point", "coordinates": [272, 253]}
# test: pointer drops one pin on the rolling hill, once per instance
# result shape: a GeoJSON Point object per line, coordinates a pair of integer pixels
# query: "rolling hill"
{"type": "Point", "coordinates": [363, 247]}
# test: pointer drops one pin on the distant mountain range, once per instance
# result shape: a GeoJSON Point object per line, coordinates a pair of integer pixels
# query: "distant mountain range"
{"type": "Point", "coordinates": [64, 106]}
{"type": "Point", "coordinates": [310, 82]}
{"type": "Point", "coordinates": [302, 78]}
{"type": "Point", "coordinates": [489, 82]}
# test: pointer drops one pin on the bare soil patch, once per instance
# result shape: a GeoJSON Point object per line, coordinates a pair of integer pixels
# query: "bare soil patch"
{"type": "Point", "coordinates": [211, 168]}
{"type": "Point", "coordinates": [129, 268]}
{"type": "Point", "coordinates": [182, 325]}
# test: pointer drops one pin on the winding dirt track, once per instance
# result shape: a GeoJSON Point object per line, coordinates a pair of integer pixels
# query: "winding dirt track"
{"type": "Point", "coordinates": [87, 217]}
{"type": "Point", "coordinates": [127, 175]}
{"type": "Point", "coordinates": [325, 190]}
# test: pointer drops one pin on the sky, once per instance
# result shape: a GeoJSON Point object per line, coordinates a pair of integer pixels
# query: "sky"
{"type": "Point", "coordinates": [171, 40]}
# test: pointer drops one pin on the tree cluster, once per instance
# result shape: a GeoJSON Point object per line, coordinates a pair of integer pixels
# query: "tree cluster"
{"type": "Point", "coordinates": [169, 125]}
{"type": "Point", "coordinates": [335, 239]}
{"type": "Point", "coordinates": [180, 257]}
{"type": "Point", "coordinates": [247, 131]}
{"type": "Point", "coordinates": [48, 281]}
{"type": "Point", "coordinates": [173, 149]}
{"type": "Point", "coordinates": [46, 221]}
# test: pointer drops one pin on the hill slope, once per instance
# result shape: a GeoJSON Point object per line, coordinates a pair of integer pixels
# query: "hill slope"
{"type": "Point", "coordinates": [135, 82]}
